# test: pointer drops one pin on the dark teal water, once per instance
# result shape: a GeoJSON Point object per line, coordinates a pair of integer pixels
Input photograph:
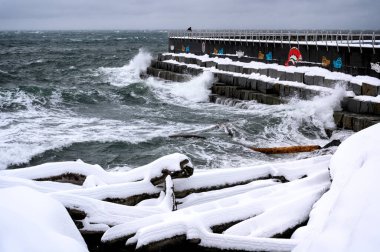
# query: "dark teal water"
{"type": "Point", "coordinates": [78, 95]}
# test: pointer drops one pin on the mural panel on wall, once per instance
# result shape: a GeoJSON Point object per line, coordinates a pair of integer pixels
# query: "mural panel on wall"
{"type": "Point", "coordinates": [261, 55]}
{"type": "Point", "coordinates": [203, 47]}
{"type": "Point", "coordinates": [185, 49]}
{"type": "Point", "coordinates": [220, 51]}
{"type": "Point", "coordinates": [325, 62]}
{"type": "Point", "coordinates": [338, 63]}
{"type": "Point", "coordinates": [239, 54]}
{"type": "Point", "coordinates": [294, 56]}
{"type": "Point", "coordinates": [268, 56]}
{"type": "Point", "coordinates": [375, 67]}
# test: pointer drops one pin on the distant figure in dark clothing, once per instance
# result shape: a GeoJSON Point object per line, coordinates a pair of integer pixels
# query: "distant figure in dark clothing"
{"type": "Point", "coordinates": [189, 29]}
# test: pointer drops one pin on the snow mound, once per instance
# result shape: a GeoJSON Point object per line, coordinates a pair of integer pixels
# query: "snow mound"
{"type": "Point", "coordinates": [346, 217]}
{"type": "Point", "coordinates": [33, 221]}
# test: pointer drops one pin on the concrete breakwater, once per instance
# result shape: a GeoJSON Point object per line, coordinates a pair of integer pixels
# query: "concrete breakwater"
{"type": "Point", "coordinates": [353, 53]}
{"type": "Point", "coordinates": [272, 84]}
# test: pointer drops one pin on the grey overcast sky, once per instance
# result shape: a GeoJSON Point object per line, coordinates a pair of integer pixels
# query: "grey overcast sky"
{"type": "Point", "coordinates": [200, 14]}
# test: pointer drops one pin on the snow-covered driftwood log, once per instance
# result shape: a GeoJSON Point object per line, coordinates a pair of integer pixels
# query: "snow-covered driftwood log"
{"type": "Point", "coordinates": [269, 207]}
{"type": "Point", "coordinates": [161, 202]}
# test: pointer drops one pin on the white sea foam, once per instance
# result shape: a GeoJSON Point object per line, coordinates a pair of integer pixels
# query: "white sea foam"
{"type": "Point", "coordinates": [130, 73]}
{"type": "Point", "coordinates": [195, 90]}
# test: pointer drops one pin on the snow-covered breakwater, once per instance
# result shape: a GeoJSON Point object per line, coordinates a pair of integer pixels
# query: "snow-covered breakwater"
{"type": "Point", "coordinates": [357, 97]}
{"type": "Point", "coordinates": [303, 205]}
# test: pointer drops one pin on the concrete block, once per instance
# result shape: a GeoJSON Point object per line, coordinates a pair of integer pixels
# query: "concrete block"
{"type": "Point", "coordinates": [200, 63]}
{"type": "Point", "coordinates": [261, 86]}
{"type": "Point", "coordinates": [235, 80]}
{"type": "Point", "coordinates": [239, 69]}
{"type": "Point", "coordinates": [329, 83]}
{"type": "Point", "coordinates": [263, 71]}
{"type": "Point", "coordinates": [247, 70]}
{"type": "Point", "coordinates": [273, 73]}
{"type": "Point", "coordinates": [245, 94]}
{"type": "Point", "coordinates": [159, 57]}
{"type": "Point", "coordinates": [308, 80]}
{"type": "Point", "coordinates": [226, 78]}
{"type": "Point", "coordinates": [347, 122]}
{"type": "Point", "coordinates": [290, 76]}
{"type": "Point", "coordinates": [242, 82]}
{"type": "Point", "coordinates": [281, 75]}
{"type": "Point", "coordinates": [231, 68]}
{"type": "Point", "coordinates": [344, 103]}
{"type": "Point", "coordinates": [167, 57]}
{"type": "Point", "coordinates": [356, 88]}
{"type": "Point", "coordinates": [318, 80]}
{"type": "Point", "coordinates": [276, 88]}
{"type": "Point", "coordinates": [252, 83]}
{"type": "Point", "coordinates": [281, 90]}
{"type": "Point", "coordinates": [153, 63]}
{"type": "Point", "coordinates": [371, 90]}
{"type": "Point", "coordinates": [183, 69]}
{"type": "Point", "coordinates": [286, 90]}
{"type": "Point", "coordinates": [376, 108]}
{"type": "Point", "coordinates": [299, 77]}
{"type": "Point", "coordinates": [210, 64]}
{"type": "Point", "coordinates": [338, 118]}
{"type": "Point", "coordinates": [353, 105]}
{"type": "Point", "coordinates": [223, 67]}
{"type": "Point", "coordinates": [366, 107]}
{"type": "Point", "coordinates": [265, 87]}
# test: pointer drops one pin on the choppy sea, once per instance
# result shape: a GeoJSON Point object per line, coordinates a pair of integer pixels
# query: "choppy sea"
{"type": "Point", "coordinates": [79, 95]}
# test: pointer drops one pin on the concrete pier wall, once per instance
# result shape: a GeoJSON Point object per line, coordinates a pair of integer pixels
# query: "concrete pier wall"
{"type": "Point", "coordinates": [351, 60]}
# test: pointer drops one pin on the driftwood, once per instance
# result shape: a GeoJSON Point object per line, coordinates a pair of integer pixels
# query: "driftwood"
{"type": "Point", "coordinates": [288, 149]}
{"type": "Point", "coordinates": [223, 203]}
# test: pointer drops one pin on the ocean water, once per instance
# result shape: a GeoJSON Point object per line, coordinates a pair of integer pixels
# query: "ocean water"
{"type": "Point", "coordinates": [79, 95]}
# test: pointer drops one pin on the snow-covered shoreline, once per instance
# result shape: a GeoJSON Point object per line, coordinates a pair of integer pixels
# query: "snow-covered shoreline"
{"type": "Point", "coordinates": [249, 206]}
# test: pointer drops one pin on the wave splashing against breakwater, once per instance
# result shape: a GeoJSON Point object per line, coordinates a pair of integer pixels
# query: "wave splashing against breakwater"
{"type": "Point", "coordinates": [130, 73]}
{"type": "Point", "coordinates": [83, 101]}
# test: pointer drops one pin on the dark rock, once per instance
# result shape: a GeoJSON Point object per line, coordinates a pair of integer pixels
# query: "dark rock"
{"type": "Point", "coordinates": [332, 143]}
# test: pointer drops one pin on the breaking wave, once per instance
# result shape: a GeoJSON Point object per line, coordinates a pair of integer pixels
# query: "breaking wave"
{"type": "Point", "coordinates": [130, 73]}
{"type": "Point", "coordinates": [195, 90]}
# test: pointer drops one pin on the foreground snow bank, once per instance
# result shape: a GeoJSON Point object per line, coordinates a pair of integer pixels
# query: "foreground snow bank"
{"type": "Point", "coordinates": [346, 218]}
{"type": "Point", "coordinates": [33, 221]}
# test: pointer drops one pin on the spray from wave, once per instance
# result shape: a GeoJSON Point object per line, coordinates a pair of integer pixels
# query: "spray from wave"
{"type": "Point", "coordinates": [194, 91]}
{"type": "Point", "coordinates": [130, 73]}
